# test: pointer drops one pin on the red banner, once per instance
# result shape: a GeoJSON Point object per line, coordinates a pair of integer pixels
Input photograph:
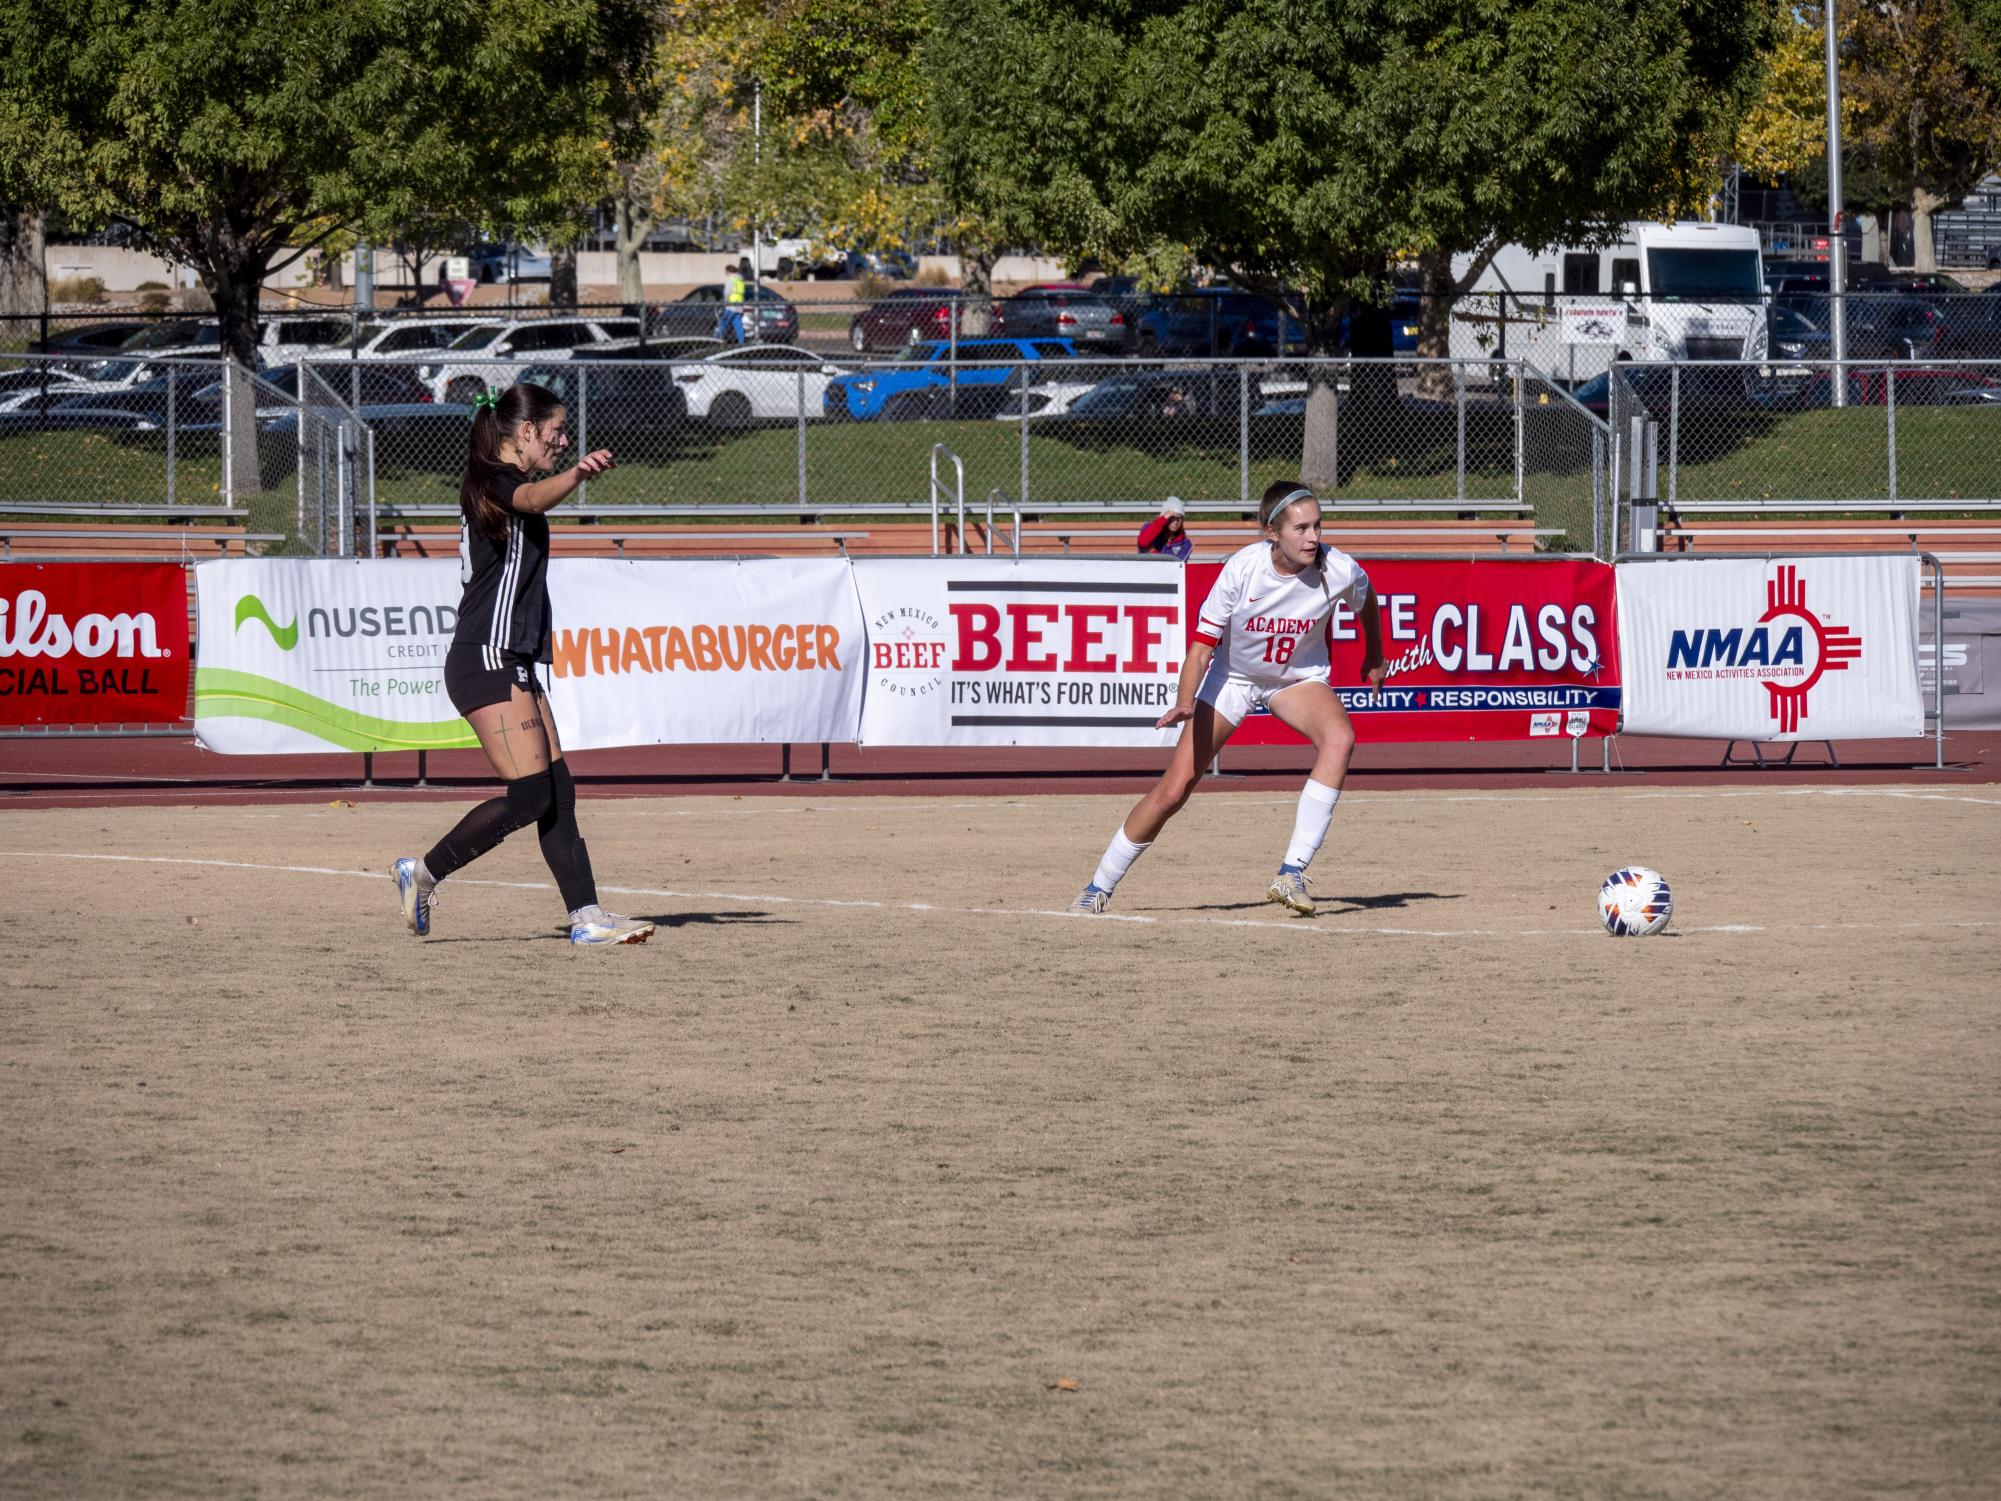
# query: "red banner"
{"type": "Point", "coordinates": [93, 643]}
{"type": "Point", "coordinates": [1499, 649]}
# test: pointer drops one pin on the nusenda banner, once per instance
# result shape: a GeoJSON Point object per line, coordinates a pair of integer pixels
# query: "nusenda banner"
{"type": "Point", "coordinates": [93, 643]}
{"type": "Point", "coordinates": [1486, 649]}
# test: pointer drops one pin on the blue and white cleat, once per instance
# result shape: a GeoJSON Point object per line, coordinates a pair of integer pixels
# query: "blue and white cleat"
{"type": "Point", "coordinates": [1288, 889]}
{"type": "Point", "coordinates": [416, 908]}
{"type": "Point", "coordinates": [608, 928]}
{"type": "Point", "coordinates": [1091, 901]}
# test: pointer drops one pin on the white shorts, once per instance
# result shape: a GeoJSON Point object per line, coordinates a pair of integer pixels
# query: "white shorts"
{"type": "Point", "coordinates": [1235, 697]}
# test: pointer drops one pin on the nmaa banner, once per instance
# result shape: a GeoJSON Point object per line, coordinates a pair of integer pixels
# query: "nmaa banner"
{"type": "Point", "coordinates": [1805, 648]}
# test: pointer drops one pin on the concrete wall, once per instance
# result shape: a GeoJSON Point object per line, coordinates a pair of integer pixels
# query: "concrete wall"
{"type": "Point", "coordinates": [122, 270]}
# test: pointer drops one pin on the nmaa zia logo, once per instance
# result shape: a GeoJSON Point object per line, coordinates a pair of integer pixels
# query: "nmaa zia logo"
{"type": "Point", "coordinates": [1787, 650]}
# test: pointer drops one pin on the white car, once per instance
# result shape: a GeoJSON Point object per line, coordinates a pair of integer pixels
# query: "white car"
{"type": "Point", "coordinates": [1046, 399]}
{"type": "Point", "coordinates": [405, 338]}
{"type": "Point", "coordinates": [758, 382]}
{"type": "Point", "coordinates": [494, 354]}
{"type": "Point", "coordinates": [287, 339]}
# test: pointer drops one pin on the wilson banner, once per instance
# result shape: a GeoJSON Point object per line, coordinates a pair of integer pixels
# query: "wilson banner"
{"type": "Point", "coordinates": [93, 643]}
{"type": "Point", "coordinates": [995, 651]}
{"type": "Point", "coordinates": [1489, 649]}
{"type": "Point", "coordinates": [1813, 648]}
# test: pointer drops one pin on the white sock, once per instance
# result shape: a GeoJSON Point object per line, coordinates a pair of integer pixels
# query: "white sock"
{"type": "Point", "coordinates": [1119, 857]}
{"type": "Point", "coordinates": [425, 880]}
{"type": "Point", "coordinates": [1309, 825]}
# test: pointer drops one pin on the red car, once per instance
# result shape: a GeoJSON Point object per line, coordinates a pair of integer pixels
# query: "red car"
{"type": "Point", "coordinates": [912, 315]}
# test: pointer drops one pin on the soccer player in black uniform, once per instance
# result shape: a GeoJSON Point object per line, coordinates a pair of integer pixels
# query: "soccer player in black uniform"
{"type": "Point", "coordinates": [491, 668]}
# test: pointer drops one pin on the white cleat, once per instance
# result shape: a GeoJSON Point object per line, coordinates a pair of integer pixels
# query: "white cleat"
{"type": "Point", "coordinates": [611, 928]}
{"type": "Point", "coordinates": [1288, 889]}
{"type": "Point", "coordinates": [1091, 901]}
{"type": "Point", "coordinates": [416, 904]}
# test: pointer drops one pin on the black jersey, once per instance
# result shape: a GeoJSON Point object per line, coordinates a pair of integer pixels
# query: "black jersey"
{"type": "Point", "coordinates": [505, 607]}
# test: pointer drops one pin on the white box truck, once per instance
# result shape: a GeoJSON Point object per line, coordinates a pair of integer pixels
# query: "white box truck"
{"type": "Point", "coordinates": [1683, 291]}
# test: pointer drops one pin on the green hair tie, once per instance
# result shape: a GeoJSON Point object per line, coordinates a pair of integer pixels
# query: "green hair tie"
{"type": "Point", "coordinates": [487, 400]}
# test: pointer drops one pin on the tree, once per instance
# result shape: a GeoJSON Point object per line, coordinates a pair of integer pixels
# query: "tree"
{"type": "Point", "coordinates": [1787, 128]}
{"type": "Point", "coordinates": [23, 271]}
{"type": "Point", "coordinates": [1927, 108]}
{"type": "Point", "coordinates": [1310, 146]}
{"type": "Point", "coordinates": [235, 135]}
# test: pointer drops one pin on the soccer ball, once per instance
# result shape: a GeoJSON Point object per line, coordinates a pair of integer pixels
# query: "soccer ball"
{"type": "Point", "coordinates": [1635, 902]}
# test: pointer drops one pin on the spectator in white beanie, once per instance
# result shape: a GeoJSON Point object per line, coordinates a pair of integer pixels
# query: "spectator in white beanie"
{"type": "Point", "coordinates": [1167, 533]}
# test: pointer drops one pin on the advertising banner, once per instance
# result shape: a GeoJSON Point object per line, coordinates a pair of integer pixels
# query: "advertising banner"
{"type": "Point", "coordinates": [1779, 649]}
{"type": "Point", "coordinates": [995, 651]}
{"type": "Point", "coordinates": [93, 643]}
{"type": "Point", "coordinates": [303, 656]}
{"type": "Point", "coordinates": [764, 651]}
{"type": "Point", "coordinates": [313, 655]}
{"type": "Point", "coordinates": [1490, 649]}
{"type": "Point", "coordinates": [1970, 660]}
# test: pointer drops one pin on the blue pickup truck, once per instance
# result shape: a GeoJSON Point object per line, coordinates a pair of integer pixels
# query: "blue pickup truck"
{"type": "Point", "coordinates": [921, 384]}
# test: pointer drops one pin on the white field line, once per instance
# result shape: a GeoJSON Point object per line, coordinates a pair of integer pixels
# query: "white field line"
{"type": "Point", "coordinates": [1292, 925]}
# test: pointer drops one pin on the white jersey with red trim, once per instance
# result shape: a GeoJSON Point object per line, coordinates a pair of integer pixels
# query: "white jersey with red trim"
{"type": "Point", "coordinates": [1272, 627]}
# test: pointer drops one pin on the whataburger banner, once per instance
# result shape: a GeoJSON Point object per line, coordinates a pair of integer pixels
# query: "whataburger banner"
{"type": "Point", "coordinates": [1805, 648]}
{"type": "Point", "coordinates": [997, 651]}
{"type": "Point", "coordinates": [93, 643]}
{"type": "Point", "coordinates": [1488, 649]}
{"type": "Point", "coordinates": [302, 656]}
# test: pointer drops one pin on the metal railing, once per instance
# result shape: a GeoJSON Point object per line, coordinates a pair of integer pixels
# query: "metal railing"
{"type": "Point", "coordinates": [783, 435]}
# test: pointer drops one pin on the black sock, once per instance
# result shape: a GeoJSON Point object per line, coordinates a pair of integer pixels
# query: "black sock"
{"type": "Point", "coordinates": [563, 844]}
{"type": "Point", "coordinates": [527, 800]}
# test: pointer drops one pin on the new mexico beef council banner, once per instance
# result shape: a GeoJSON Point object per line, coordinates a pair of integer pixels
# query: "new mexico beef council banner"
{"type": "Point", "coordinates": [1493, 649]}
{"type": "Point", "coordinates": [993, 651]}
{"type": "Point", "coordinates": [1779, 649]}
{"type": "Point", "coordinates": [93, 643]}
{"type": "Point", "coordinates": [304, 656]}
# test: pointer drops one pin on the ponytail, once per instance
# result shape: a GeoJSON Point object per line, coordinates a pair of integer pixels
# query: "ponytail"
{"type": "Point", "coordinates": [494, 419]}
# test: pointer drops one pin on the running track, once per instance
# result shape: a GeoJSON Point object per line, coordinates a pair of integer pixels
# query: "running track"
{"type": "Point", "coordinates": [168, 771]}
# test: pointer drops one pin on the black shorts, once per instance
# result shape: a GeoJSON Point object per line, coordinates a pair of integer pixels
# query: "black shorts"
{"type": "Point", "coordinates": [476, 676]}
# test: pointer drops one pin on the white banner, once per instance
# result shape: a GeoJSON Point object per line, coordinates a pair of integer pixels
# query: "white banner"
{"type": "Point", "coordinates": [299, 656]}
{"type": "Point", "coordinates": [1779, 649]}
{"type": "Point", "coordinates": [768, 650]}
{"type": "Point", "coordinates": [304, 655]}
{"type": "Point", "coordinates": [993, 651]}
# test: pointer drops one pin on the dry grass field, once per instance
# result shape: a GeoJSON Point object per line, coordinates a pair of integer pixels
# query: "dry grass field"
{"type": "Point", "coordinates": [872, 1177]}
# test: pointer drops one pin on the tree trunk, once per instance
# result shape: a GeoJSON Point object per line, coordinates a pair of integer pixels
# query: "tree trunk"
{"type": "Point", "coordinates": [1320, 444]}
{"type": "Point", "coordinates": [976, 276]}
{"type": "Point", "coordinates": [629, 232]}
{"type": "Point", "coordinates": [1436, 289]}
{"type": "Point", "coordinates": [235, 282]}
{"type": "Point", "coordinates": [23, 272]}
{"type": "Point", "coordinates": [1924, 255]}
{"type": "Point", "coordinates": [563, 276]}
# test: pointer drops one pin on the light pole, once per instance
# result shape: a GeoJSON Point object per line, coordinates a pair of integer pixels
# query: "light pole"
{"type": "Point", "coordinates": [757, 163]}
{"type": "Point", "coordinates": [1837, 237]}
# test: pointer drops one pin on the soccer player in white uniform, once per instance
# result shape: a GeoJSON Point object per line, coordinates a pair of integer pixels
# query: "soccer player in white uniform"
{"type": "Point", "coordinates": [1262, 640]}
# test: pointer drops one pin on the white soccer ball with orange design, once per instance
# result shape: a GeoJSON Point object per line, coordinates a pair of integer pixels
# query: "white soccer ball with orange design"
{"type": "Point", "coordinates": [1635, 902]}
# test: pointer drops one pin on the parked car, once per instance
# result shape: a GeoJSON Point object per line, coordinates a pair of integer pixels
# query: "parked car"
{"type": "Point", "coordinates": [1065, 310]}
{"type": "Point", "coordinates": [912, 313]}
{"type": "Point", "coordinates": [504, 263]}
{"type": "Point", "coordinates": [197, 396]}
{"type": "Point", "coordinates": [923, 383]}
{"type": "Point", "coordinates": [698, 314]}
{"type": "Point", "coordinates": [493, 354]}
{"type": "Point", "coordinates": [616, 389]}
{"type": "Point", "coordinates": [1047, 398]}
{"type": "Point", "coordinates": [285, 339]}
{"type": "Point", "coordinates": [90, 339]}
{"type": "Point", "coordinates": [1216, 321]}
{"type": "Point", "coordinates": [1914, 388]}
{"type": "Point", "coordinates": [757, 383]}
{"type": "Point", "coordinates": [407, 338]}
